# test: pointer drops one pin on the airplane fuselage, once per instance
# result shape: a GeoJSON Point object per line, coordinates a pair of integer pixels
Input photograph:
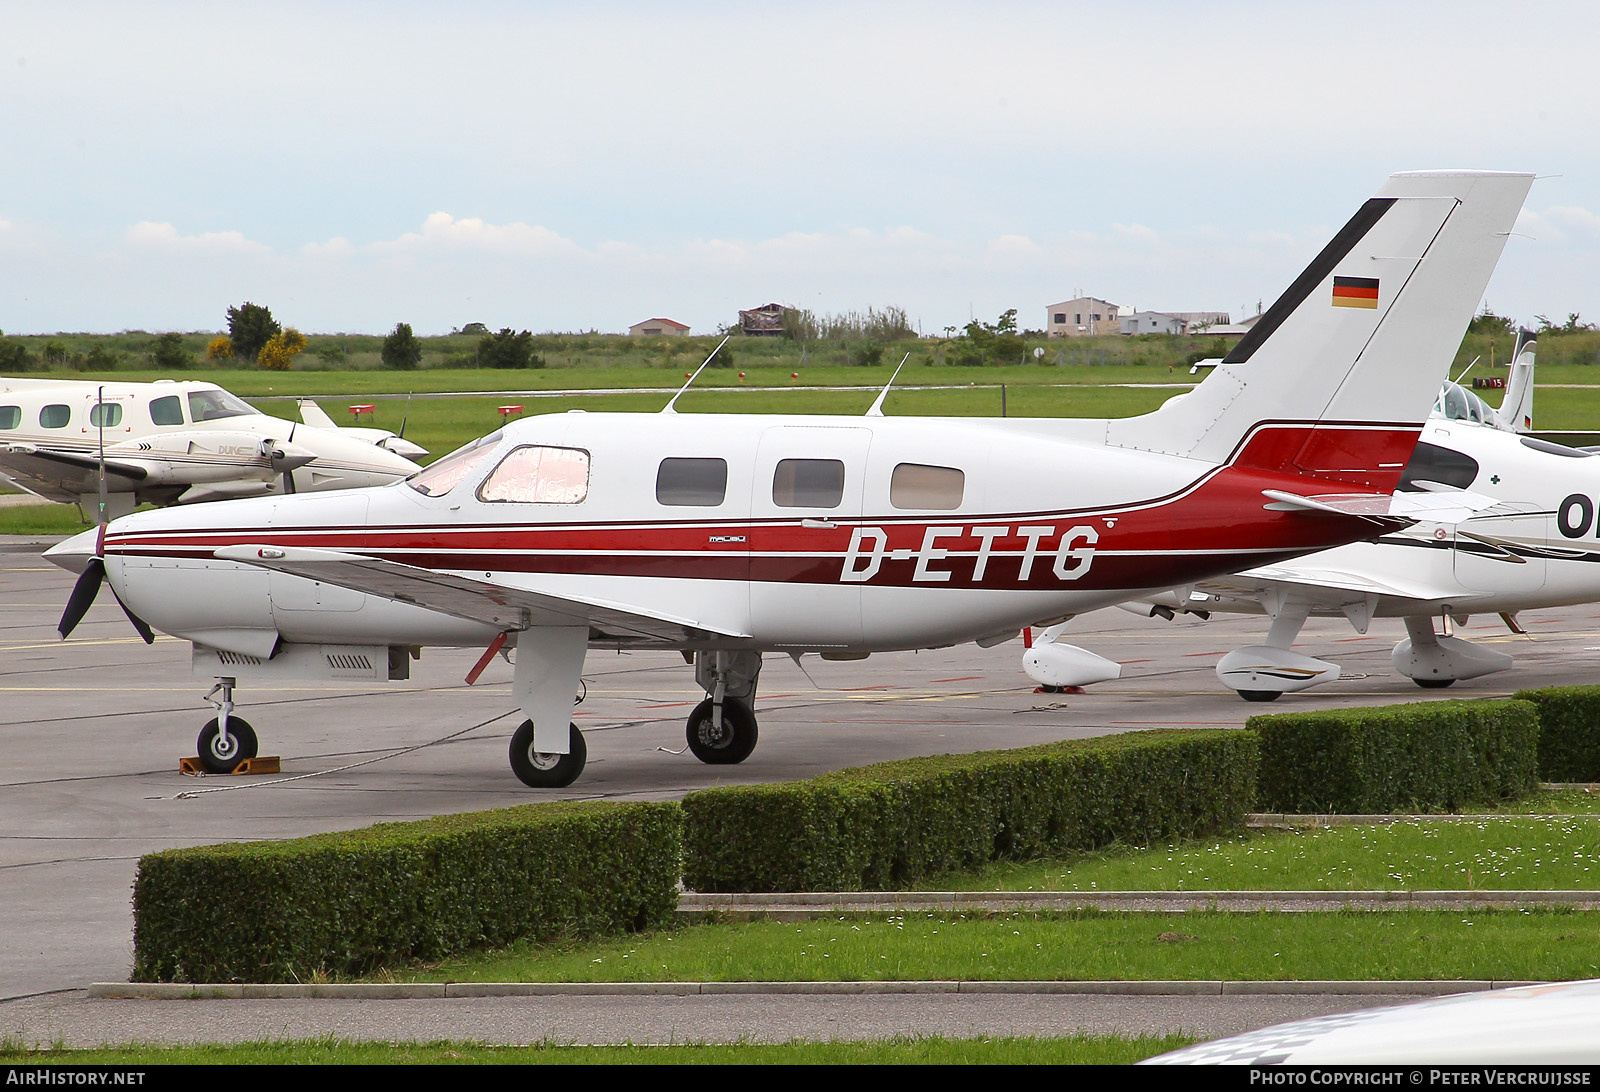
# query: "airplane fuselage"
{"type": "Point", "coordinates": [790, 533]}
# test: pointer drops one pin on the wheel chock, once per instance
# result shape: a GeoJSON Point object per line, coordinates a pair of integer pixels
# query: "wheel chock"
{"type": "Point", "coordinates": [261, 764]}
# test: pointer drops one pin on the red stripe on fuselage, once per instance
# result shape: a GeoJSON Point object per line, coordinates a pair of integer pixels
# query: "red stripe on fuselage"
{"type": "Point", "coordinates": [1215, 525]}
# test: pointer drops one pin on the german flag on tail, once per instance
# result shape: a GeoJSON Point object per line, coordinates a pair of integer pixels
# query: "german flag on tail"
{"type": "Point", "coordinates": [1355, 292]}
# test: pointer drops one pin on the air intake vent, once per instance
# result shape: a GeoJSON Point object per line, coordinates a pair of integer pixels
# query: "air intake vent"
{"type": "Point", "coordinates": [238, 659]}
{"type": "Point", "coordinates": [349, 661]}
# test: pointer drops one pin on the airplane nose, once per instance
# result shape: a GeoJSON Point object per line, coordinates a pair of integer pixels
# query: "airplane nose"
{"type": "Point", "coordinates": [74, 554]}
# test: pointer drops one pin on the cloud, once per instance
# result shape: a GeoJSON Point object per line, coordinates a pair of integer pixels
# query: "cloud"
{"type": "Point", "coordinates": [150, 233]}
{"type": "Point", "coordinates": [1018, 246]}
{"type": "Point", "coordinates": [337, 247]}
{"type": "Point", "coordinates": [441, 231]}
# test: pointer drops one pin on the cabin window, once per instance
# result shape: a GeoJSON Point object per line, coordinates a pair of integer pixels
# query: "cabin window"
{"type": "Point", "coordinates": [1554, 449]}
{"type": "Point", "coordinates": [914, 485]}
{"type": "Point", "coordinates": [692, 481]}
{"type": "Point", "coordinates": [166, 411]}
{"type": "Point", "coordinates": [442, 476]}
{"type": "Point", "coordinates": [105, 415]}
{"type": "Point", "coordinates": [10, 416]}
{"type": "Point", "coordinates": [808, 483]}
{"type": "Point", "coordinates": [1431, 463]}
{"type": "Point", "coordinates": [213, 405]}
{"type": "Point", "coordinates": [539, 475]}
{"type": "Point", "coordinates": [55, 416]}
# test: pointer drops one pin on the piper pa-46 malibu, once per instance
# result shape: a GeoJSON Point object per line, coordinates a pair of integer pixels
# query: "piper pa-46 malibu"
{"type": "Point", "coordinates": [178, 443]}
{"type": "Point", "coordinates": [728, 536]}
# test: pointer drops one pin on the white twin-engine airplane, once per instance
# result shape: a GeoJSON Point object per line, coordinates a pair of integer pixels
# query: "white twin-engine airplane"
{"type": "Point", "coordinates": [178, 443]}
{"type": "Point", "coordinates": [729, 536]}
{"type": "Point", "coordinates": [1529, 541]}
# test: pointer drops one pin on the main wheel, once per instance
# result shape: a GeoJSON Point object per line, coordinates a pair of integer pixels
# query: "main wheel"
{"type": "Point", "coordinates": [1434, 684]}
{"type": "Point", "coordinates": [1260, 695]}
{"type": "Point", "coordinates": [545, 769]}
{"type": "Point", "coordinates": [216, 757]}
{"type": "Point", "coordinates": [728, 745]}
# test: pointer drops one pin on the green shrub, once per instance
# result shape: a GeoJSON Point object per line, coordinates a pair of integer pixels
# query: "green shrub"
{"type": "Point", "coordinates": [1569, 731]}
{"type": "Point", "coordinates": [351, 902]}
{"type": "Point", "coordinates": [895, 823]}
{"type": "Point", "coordinates": [1428, 756]}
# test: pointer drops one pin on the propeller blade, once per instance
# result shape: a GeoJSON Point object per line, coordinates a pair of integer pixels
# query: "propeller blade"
{"type": "Point", "coordinates": [82, 598]}
{"type": "Point", "coordinates": [140, 626]}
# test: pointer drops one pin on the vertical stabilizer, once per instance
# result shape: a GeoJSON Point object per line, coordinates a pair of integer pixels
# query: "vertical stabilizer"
{"type": "Point", "coordinates": [1516, 408]}
{"type": "Point", "coordinates": [1364, 336]}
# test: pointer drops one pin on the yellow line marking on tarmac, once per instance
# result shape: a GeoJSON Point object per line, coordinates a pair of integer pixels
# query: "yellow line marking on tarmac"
{"type": "Point", "coordinates": [160, 638]}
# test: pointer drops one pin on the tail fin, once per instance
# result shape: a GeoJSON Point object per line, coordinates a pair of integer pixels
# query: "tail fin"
{"type": "Point", "coordinates": [1516, 408]}
{"type": "Point", "coordinates": [1364, 336]}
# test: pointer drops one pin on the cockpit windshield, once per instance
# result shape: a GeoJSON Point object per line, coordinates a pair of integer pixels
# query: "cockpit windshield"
{"type": "Point", "coordinates": [215, 404]}
{"type": "Point", "coordinates": [443, 475]}
{"type": "Point", "coordinates": [1456, 403]}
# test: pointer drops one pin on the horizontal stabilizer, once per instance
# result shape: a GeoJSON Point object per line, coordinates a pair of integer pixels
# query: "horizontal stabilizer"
{"type": "Point", "coordinates": [1327, 589]}
{"type": "Point", "coordinates": [1367, 505]}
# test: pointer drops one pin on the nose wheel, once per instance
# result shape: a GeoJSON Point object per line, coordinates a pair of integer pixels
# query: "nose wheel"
{"type": "Point", "coordinates": [226, 740]}
{"type": "Point", "coordinates": [544, 769]}
{"type": "Point", "coordinates": [222, 753]}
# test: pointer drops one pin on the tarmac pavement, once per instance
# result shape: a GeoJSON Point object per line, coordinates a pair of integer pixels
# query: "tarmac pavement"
{"type": "Point", "coordinates": [91, 731]}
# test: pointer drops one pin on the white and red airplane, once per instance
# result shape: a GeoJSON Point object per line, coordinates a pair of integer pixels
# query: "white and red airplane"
{"type": "Point", "coordinates": [730, 536]}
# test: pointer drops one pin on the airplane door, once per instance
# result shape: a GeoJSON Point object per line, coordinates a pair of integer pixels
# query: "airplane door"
{"type": "Point", "coordinates": [110, 416]}
{"type": "Point", "coordinates": [805, 501]}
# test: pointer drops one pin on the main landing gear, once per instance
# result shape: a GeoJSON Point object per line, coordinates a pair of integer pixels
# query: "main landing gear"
{"type": "Point", "coordinates": [226, 740]}
{"type": "Point", "coordinates": [544, 769]}
{"type": "Point", "coordinates": [722, 729]}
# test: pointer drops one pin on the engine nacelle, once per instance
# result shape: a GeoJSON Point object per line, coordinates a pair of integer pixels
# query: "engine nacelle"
{"type": "Point", "coordinates": [1264, 669]}
{"type": "Point", "coordinates": [1053, 664]}
{"type": "Point", "coordinates": [1447, 659]}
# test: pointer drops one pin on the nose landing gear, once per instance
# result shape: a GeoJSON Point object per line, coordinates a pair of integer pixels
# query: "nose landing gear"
{"type": "Point", "coordinates": [226, 740]}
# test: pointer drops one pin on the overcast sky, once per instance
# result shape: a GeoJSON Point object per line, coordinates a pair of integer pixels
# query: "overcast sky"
{"type": "Point", "coordinates": [568, 167]}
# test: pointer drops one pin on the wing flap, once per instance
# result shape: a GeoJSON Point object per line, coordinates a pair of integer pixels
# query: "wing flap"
{"type": "Point", "coordinates": [464, 597]}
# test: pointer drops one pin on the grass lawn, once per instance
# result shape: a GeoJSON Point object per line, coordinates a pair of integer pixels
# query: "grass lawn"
{"type": "Point", "coordinates": [1074, 1050]}
{"type": "Point", "coordinates": [1491, 853]}
{"type": "Point", "coordinates": [1082, 945]}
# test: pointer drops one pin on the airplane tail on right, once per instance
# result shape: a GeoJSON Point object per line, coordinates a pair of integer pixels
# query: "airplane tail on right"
{"type": "Point", "coordinates": [1345, 365]}
{"type": "Point", "coordinates": [1516, 408]}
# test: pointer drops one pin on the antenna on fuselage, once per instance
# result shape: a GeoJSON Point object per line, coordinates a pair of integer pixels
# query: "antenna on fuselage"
{"type": "Point", "coordinates": [1468, 368]}
{"type": "Point", "coordinates": [877, 407]}
{"type": "Point", "coordinates": [668, 407]}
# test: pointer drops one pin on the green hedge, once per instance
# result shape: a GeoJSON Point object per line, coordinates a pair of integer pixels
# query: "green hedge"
{"type": "Point", "coordinates": [1428, 756]}
{"type": "Point", "coordinates": [1569, 731]}
{"type": "Point", "coordinates": [351, 902]}
{"type": "Point", "coordinates": [895, 823]}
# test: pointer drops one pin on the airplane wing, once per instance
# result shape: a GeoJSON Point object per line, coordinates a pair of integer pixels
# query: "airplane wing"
{"type": "Point", "coordinates": [64, 475]}
{"type": "Point", "coordinates": [476, 600]}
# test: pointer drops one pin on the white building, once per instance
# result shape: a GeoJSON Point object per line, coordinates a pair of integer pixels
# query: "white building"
{"type": "Point", "coordinates": [657, 327]}
{"type": "Point", "coordinates": [1082, 317]}
{"type": "Point", "coordinates": [1151, 322]}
